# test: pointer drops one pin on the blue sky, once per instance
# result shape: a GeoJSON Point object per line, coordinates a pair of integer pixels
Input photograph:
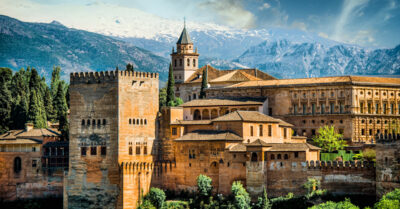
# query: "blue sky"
{"type": "Point", "coordinates": [371, 23]}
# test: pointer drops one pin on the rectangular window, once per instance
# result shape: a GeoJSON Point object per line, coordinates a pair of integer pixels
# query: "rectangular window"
{"type": "Point", "coordinates": [145, 150]}
{"type": "Point", "coordinates": [137, 149]}
{"type": "Point", "coordinates": [392, 108]}
{"type": "Point", "coordinates": [341, 105]}
{"type": "Point", "coordinates": [384, 108]}
{"type": "Point", "coordinates": [370, 132]}
{"type": "Point", "coordinates": [304, 109]}
{"type": "Point", "coordinates": [361, 107]}
{"type": "Point", "coordinates": [34, 163]}
{"type": "Point", "coordinates": [377, 108]}
{"type": "Point", "coordinates": [174, 131]}
{"type": "Point", "coordinates": [103, 150]}
{"type": "Point", "coordinates": [313, 109]}
{"type": "Point", "coordinates": [332, 108]}
{"type": "Point", "coordinates": [83, 151]}
{"type": "Point", "coordinates": [269, 130]}
{"type": "Point", "coordinates": [369, 108]}
{"type": "Point", "coordinates": [322, 108]}
{"type": "Point", "coordinates": [251, 131]}
{"type": "Point", "coordinates": [130, 150]}
{"type": "Point", "coordinates": [270, 111]}
{"type": "Point", "coordinates": [93, 150]}
{"type": "Point", "coordinates": [363, 132]}
{"type": "Point", "coordinates": [284, 133]}
{"type": "Point", "coordinates": [295, 109]}
{"type": "Point", "coordinates": [261, 130]}
{"type": "Point", "coordinates": [296, 154]}
{"type": "Point", "coordinates": [313, 132]}
{"type": "Point", "coordinates": [33, 149]}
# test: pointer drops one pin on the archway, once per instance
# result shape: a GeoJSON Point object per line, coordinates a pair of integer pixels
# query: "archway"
{"type": "Point", "coordinates": [254, 157]}
{"type": "Point", "coordinates": [214, 113]}
{"type": "Point", "coordinates": [196, 115]}
{"type": "Point", "coordinates": [206, 114]}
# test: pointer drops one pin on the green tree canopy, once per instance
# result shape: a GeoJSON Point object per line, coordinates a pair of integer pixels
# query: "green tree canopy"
{"type": "Point", "coordinates": [61, 109]}
{"type": "Point", "coordinates": [156, 197]}
{"type": "Point", "coordinates": [170, 87]}
{"type": "Point", "coordinates": [328, 139]}
{"type": "Point", "coordinates": [204, 186]}
{"type": "Point", "coordinates": [241, 197]}
{"type": "Point", "coordinates": [336, 205]}
{"type": "Point", "coordinates": [55, 79]}
{"type": "Point", "coordinates": [389, 201]}
{"type": "Point", "coordinates": [36, 114]}
{"type": "Point", "coordinates": [263, 201]}
{"type": "Point", "coordinates": [204, 83]}
{"type": "Point", "coordinates": [5, 99]}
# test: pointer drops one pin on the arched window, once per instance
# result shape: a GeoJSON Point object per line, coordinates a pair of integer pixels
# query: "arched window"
{"type": "Point", "coordinates": [137, 121]}
{"type": "Point", "coordinates": [279, 156]}
{"type": "Point", "coordinates": [196, 115]}
{"type": "Point", "coordinates": [286, 156]}
{"type": "Point", "coordinates": [272, 157]}
{"type": "Point", "coordinates": [141, 121]}
{"type": "Point", "coordinates": [206, 114]}
{"type": "Point", "coordinates": [17, 165]}
{"type": "Point", "coordinates": [88, 122]}
{"type": "Point", "coordinates": [93, 122]}
{"type": "Point", "coordinates": [214, 113]}
{"type": "Point", "coordinates": [188, 62]}
{"type": "Point", "coordinates": [194, 62]}
{"type": "Point", "coordinates": [83, 122]}
{"type": "Point", "coordinates": [145, 121]}
{"type": "Point", "coordinates": [104, 122]}
{"type": "Point", "coordinates": [254, 157]}
{"type": "Point", "coordinates": [130, 121]}
{"type": "Point", "coordinates": [133, 121]}
{"type": "Point", "coordinates": [130, 150]}
{"type": "Point", "coordinates": [98, 122]}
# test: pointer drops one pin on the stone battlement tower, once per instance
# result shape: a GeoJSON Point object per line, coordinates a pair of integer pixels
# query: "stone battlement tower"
{"type": "Point", "coordinates": [112, 123]}
{"type": "Point", "coordinates": [185, 58]}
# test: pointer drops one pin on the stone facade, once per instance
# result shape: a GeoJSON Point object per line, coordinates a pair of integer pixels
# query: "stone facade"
{"type": "Point", "coordinates": [112, 131]}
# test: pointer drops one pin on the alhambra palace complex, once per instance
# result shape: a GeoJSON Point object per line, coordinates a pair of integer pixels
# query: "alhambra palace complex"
{"type": "Point", "coordinates": [251, 128]}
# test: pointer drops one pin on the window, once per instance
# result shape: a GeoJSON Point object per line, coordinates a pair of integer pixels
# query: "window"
{"type": "Point", "coordinates": [341, 106]}
{"type": "Point", "coordinates": [175, 63]}
{"type": "Point", "coordinates": [341, 131]}
{"type": "Point", "coordinates": [332, 108]}
{"type": "Point", "coordinates": [33, 149]}
{"type": "Point", "coordinates": [313, 108]}
{"type": "Point", "coordinates": [313, 132]}
{"type": "Point", "coordinates": [284, 133]}
{"type": "Point", "coordinates": [180, 62]}
{"type": "Point", "coordinates": [304, 109]}
{"type": "Point", "coordinates": [261, 130]}
{"type": "Point", "coordinates": [377, 108]}
{"type": "Point", "coordinates": [279, 156]}
{"type": "Point", "coordinates": [272, 157]}
{"type": "Point", "coordinates": [269, 130]}
{"type": "Point", "coordinates": [296, 154]}
{"type": "Point", "coordinates": [295, 109]}
{"type": "Point", "coordinates": [93, 122]}
{"type": "Point", "coordinates": [384, 108]}
{"type": "Point", "coordinates": [270, 111]}
{"type": "Point", "coordinates": [103, 150]}
{"type": "Point", "coordinates": [137, 149]}
{"type": "Point", "coordinates": [322, 108]}
{"type": "Point", "coordinates": [361, 107]}
{"type": "Point", "coordinates": [17, 165]}
{"type": "Point", "coordinates": [130, 150]}
{"type": "Point", "coordinates": [133, 121]}
{"type": "Point", "coordinates": [137, 121]}
{"type": "Point", "coordinates": [83, 122]}
{"type": "Point", "coordinates": [34, 163]}
{"type": "Point", "coordinates": [286, 156]}
{"type": "Point", "coordinates": [370, 132]}
{"type": "Point", "coordinates": [188, 62]}
{"type": "Point", "coordinates": [363, 132]}
{"type": "Point", "coordinates": [93, 150]}
{"type": "Point", "coordinates": [174, 131]}
{"type": "Point", "coordinates": [145, 150]}
{"type": "Point", "coordinates": [251, 131]}
{"type": "Point", "coordinates": [189, 98]}
{"type": "Point", "coordinates": [392, 108]}
{"type": "Point", "coordinates": [104, 121]}
{"type": "Point", "coordinates": [194, 96]}
{"type": "Point", "coordinates": [194, 62]}
{"type": "Point", "coordinates": [83, 151]}
{"type": "Point", "coordinates": [369, 108]}
{"type": "Point", "coordinates": [88, 122]}
{"type": "Point", "coordinates": [98, 122]}
{"type": "Point", "coordinates": [130, 121]}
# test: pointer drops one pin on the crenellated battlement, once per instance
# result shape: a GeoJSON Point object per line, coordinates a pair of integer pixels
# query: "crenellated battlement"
{"type": "Point", "coordinates": [339, 165]}
{"type": "Point", "coordinates": [104, 76]}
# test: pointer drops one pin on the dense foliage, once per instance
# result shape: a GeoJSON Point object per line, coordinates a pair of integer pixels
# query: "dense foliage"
{"type": "Point", "coordinates": [170, 87]}
{"type": "Point", "coordinates": [204, 84]}
{"type": "Point", "coordinates": [328, 139]}
{"type": "Point", "coordinates": [389, 201]}
{"type": "Point", "coordinates": [336, 205]}
{"type": "Point", "coordinates": [25, 97]}
{"type": "Point", "coordinates": [241, 197]}
{"type": "Point", "coordinates": [156, 197]}
{"type": "Point", "coordinates": [366, 155]}
{"type": "Point", "coordinates": [204, 187]}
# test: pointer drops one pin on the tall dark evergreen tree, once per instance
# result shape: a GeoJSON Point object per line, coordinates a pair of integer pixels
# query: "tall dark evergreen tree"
{"type": "Point", "coordinates": [34, 81]}
{"type": "Point", "coordinates": [5, 99]}
{"type": "Point", "coordinates": [36, 114]}
{"type": "Point", "coordinates": [129, 67]}
{"type": "Point", "coordinates": [204, 84]}
{"type": "Point", "coordinates": [170, 87]}
{"type": "Point", "coordinates": [20, 102]}
{"type": "Point", "coordinates": [48, 104]}
{"type": "Point", "coordinates": [60, 105]}
{"type": "Point", "coordinates": [55, 79]}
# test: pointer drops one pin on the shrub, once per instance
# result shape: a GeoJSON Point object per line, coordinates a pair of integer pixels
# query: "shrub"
{"type": "Point", "coordinates": [336, 205]}
{"type": "Point", "coordinates": [146, 204]}
{"type": "Point", "coordinates": [241, 197]}
{"type": "Point", "coordinates": [156, 197]}
{"type": "Point", "coordinates": [389, 201]}
{"type": "Point", "coordinates": [328, 139]}
{"type": "Point", "coordinates": [204, 186]}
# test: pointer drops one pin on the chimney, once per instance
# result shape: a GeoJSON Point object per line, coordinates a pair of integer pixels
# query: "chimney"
{"type": "Point", "coordinates": [28, 126]}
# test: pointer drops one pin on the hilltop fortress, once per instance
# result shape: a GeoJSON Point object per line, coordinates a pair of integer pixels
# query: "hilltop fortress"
{"type": "Point", "coordinates": [251, 128]}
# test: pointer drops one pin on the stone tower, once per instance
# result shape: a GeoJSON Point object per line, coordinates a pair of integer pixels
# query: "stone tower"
{"type": "Point", "coordinates": [112, 131]}
{"type": "Point", "coordinates": [185, 58]}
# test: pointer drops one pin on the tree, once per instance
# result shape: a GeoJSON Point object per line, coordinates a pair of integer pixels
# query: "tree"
{"type": "Point", "coordinates": [5, 99]}
{"type": "Point", "coordinates": [204, 186]}
{"type": "Point", "coordinates": [36, 114]}
{"type": "Point", "coordinates": [156, 197]}
{"type": "Point", "coordinates": [204, 83]}
{"type": "Point", "coordinates": [34, 81]}
{"type": "Point", "coordinates": [328, 139]}
{"type": "Point", "coordinates": [48, 104]}
{"type": "Point", "coordinates": [178, 101]}
{"type": "Point", "coordinates": [366, 155]}
{"type": "Point", "coordinates": [263, 201]}
{"type": "Point", "coordinates": [170, 87]}
{"type": "Point", "coordinates": [336, 205]}
{"type": "Point", "coordinates": [163, 97]}
{"type": "Point", "coordinates": [61, 110]}
{"type": "Point", "coordinates": [20, 102]}
{"type": "Point", "coordinates": [241, 197]}
{"type": "Point", "coordinates": [129, 67]}
{"type": "Point", "coordinates": [55, 79]}
{"type": "Point", "coordinates": [389, 201]}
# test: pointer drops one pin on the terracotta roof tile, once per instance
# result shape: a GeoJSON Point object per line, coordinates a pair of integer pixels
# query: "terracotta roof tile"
{"type": "Point", "coordinates": [191, 122]}
{"type": "Point", "coordinates": [210, 135]}
{"type": "Point", "coordinates": [237, 147]}
{"type": "Point", "coordinates": [224, 102]}
{"type": "Point", "coordinates": [19, 141]}
{"type": "Point", "coordinates": [235, 76]}
{"type": "Point", "coordinates": [250, 116]}
{"type": "Point", "coordinates": [276, 147]}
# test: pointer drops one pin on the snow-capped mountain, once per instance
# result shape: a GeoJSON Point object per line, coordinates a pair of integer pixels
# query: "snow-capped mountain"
{"type": "Point", "coordinates": [285, 59]}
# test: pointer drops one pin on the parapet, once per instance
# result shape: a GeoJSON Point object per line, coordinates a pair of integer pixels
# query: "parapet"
{"type": "Point", "coordinates": [107, 76]}
{"type": "Point", "coordinates": [339, 164]}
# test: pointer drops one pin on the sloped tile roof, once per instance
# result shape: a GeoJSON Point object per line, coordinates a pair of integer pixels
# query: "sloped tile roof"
{"type": "Point", "coordinates": [184, 38]}
{"type": "Point", "coordinates": [257, 143]}
{"type": "Point", "coordinates": [19, 141]}
{"type": "Point", "coordinates": [191, 122]}
{"type": "Point", "coordinates": [240, 147]}
{"type": "Point", "coordinates": [235, 76]}
{"type": "Point", "coordinates": [224, 102]}
{"type": "Point", "coordinates": [250, 116]}
{"type": "Point", "coordinates": [276, 147]}
{"type": "Point", "coordinates": [210, 135]}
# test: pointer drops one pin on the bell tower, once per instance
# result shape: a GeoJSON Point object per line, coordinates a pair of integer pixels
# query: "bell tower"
{"type": "Point", "coordinates": [185, 59]}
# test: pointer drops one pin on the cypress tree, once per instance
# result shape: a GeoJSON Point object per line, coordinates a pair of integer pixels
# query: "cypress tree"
{"type": "Point", "coordinates": [55, 79]}
{"type": "Point", "coordinates": [48, 104]}
{"type": "Point", "coordinates": [170, 87]}
{"type": "Point", "coordinates": [129, 67]}
{"type": "Point", "coordinates": [60, 105]}
{"type": "Point", "coordinates": [204, 84]}
{"type": "Point", "coordinates": [5, 99]}
{"type": "Point", "coordinates": [34, 81]}
{"type": "Point", "coordinates": [36, 114]}
{"type": "Point", "coordinates": [19, 107]}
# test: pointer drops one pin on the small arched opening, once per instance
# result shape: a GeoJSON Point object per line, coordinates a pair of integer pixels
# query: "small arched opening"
{"type": "Point", "coordinates": [254, 157]}
{"type": "Point", "coordinates": [196, 115]}
{"type": "Point", "coordinates": [17, 165]}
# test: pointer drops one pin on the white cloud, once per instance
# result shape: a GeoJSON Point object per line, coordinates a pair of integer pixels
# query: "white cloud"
{"type": "Point", "coordinates": [299, 25]}
{"type": "Point", "coordinates": [264, 6]}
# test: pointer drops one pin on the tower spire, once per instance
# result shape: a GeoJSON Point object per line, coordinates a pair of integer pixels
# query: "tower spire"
{"type": "Point", "coordinates": [184, 22]}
